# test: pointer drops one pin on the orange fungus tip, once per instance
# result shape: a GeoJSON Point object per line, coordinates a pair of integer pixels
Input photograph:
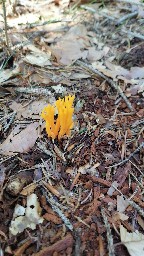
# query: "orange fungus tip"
{"type": "Point", "coordinates": [64, 123]}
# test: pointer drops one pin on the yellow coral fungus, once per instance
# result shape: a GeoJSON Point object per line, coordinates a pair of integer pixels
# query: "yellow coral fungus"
{"type": "Point", "coordinates": [63, 123]}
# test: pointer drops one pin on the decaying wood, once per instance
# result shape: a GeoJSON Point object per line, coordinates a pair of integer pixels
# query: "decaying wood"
{"type": "Point", "coordinates": [99, 180]}
{"type": "Point", "coordinates": [23, 247]}
{"type": "Point", "coordinates": [59, 246]}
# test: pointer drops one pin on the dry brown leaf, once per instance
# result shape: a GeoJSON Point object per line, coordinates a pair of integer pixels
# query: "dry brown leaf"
{"type": "Point", "coordinates": [21, 142]}
{"type": "Point", "coordinates": [122, 204]}
{"type": "Point", "coordinates": [116, 72]}
{"type": "Point", "coordinates": [99, 66]}
{"type": "Point", "coordinates": [119, 216]}
{"type": "Point", "coordinates": [23, 19]}
{"type": "Point", "coordinates": [134, 241]}
{"type": "Point", "coordinates": [112, 189]}
{"type": "Point", "coordinates": [38, 59]}
{"type": "Point", "coordinates": [67, 51]}
{"type": "Point", "coordinates": [94, 55]}
{"type": "Point", "coordinates": [8, 73]}
{"type": "Point", "coordinates": [37, 78]}
{"type": "Point", "coordinates": [71, 46]}
{"type": "Point", "coordinates": [32, 110]}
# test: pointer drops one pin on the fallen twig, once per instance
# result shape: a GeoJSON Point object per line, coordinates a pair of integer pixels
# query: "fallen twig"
{"type": "Point", "coordinates": [132, 203]}
{"type": "Point", "coordinates": [9, 117]}
{"type": "Point", "coordinates": [51, 188]}
{"type": "Point", "coordinates": [34, 90]}
{"type": "Point", "coordinates": [110, 81]}
{"type": "Point", "coordinates": [42, 147]}
{"type": "Point", "coordinates": [82, 221]}
{"type": "Point", "coordinates": [133, 34]}
{"type": "Point", "coordinates": [138, 122]}
{"type": "Point", "coordinates": [109, 235]}
{"type": "Point", "coordinates": [56, 209]}
{"type": "Point", "coordinates": [126, 17]}
{"type": "Point", "coordinates": [127, 159]}
{"type": "Point", "coordinates": [5, 24]}
{"type": "Point", "coordinates": [77, 242]}
{"type": "Point", "coordinates": [137, 168]}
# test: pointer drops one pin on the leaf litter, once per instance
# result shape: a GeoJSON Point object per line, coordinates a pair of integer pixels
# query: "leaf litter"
{"type": "Point", "coordinates": [22, 141]}
{"type": "Point", "coordinates": [133, 241]}
{"type": "Point", "coordinates": [64, 197]}
{"type": "Point", "coordinates": [27, 217]}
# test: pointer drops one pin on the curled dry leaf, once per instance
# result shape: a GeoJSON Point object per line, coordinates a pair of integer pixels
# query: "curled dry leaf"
{"type": "Point", "coordinates": [38, 59]}
{"type": "Point", "coordinates": [27, 217]}
{"type": "Point", "coordinates": [134, 241]}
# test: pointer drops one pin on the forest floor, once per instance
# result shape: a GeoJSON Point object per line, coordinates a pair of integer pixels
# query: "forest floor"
{"type": "Point", "coordinates": [83, 194]}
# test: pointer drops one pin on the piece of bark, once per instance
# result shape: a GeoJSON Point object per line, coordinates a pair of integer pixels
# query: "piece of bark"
{"type": "Point", "coordinates": [61, 245]}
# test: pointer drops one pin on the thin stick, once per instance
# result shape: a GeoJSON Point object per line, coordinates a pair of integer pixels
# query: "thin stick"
{"type": "Point", "coordinates": [139, 209]}
{"type": "Point", "coordinates": [56, 209]}
{"type": "Point", "coordinates": [11, 119]}
{"type": "Point", "coordinates": [110, 81]}
{"type": "Point", "coordinates": [5, 24]}
{"type": "Point", "coordinates": [34, 90]}
{"type": "Point", "coordinates": [77, 248]}
{"type": "Point", "coordinates": [137, 168]}
{"type": "Point", "coordinates": [133, 34]}
{"type": "Point", "coordinates": [109, 235]}
{"type": "Point", "coordinates": [127, 159]}
{"type": "Point", "coordinates": [138, 122]}
{"type": "Point", "coordinates": [132, 203]}
{"type": "Point", "coordinates": [126, 17]}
